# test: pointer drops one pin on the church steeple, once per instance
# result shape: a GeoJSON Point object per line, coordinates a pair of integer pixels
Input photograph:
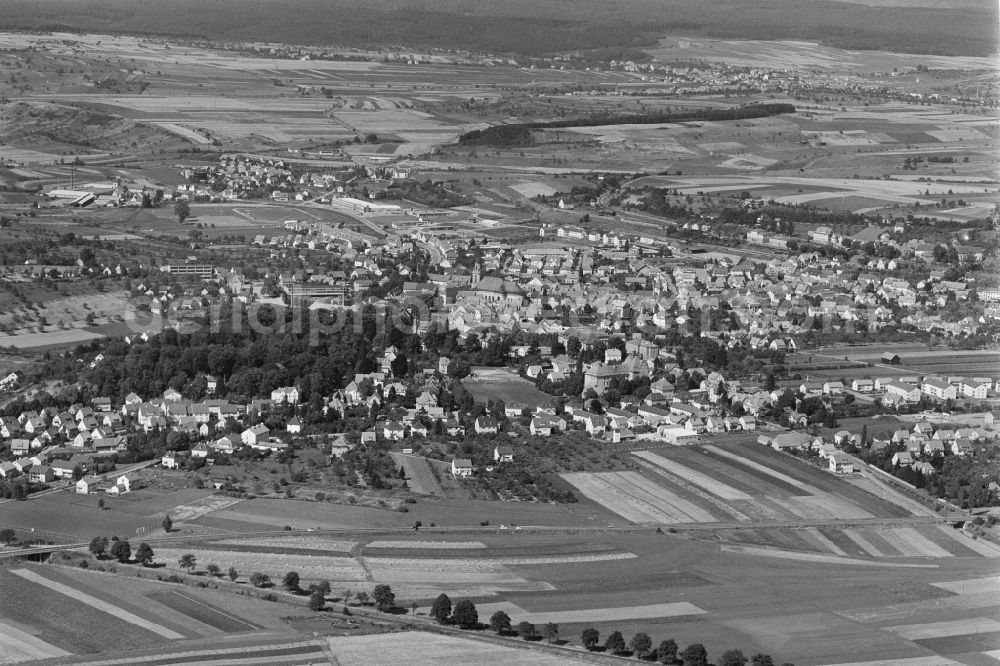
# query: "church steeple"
{"type": "Point", "coordinates": [475, 274]}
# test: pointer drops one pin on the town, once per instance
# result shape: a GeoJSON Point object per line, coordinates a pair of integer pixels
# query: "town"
{"type": "Point", "coordinates": [597, 355]}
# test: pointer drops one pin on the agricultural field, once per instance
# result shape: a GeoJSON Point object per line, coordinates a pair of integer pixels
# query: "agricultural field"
{"type": "Point", "coordinates": [426, 649]}
{"type": "Point", "coordinates": [733, 483]}
{"type": "Point", "coordinates": [73, 611]}
{"type": "Point", "coordinates": [422, 569]}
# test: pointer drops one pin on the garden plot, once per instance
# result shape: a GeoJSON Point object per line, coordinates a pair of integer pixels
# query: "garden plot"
{"type": "Point", "coordinates": [636, 498]}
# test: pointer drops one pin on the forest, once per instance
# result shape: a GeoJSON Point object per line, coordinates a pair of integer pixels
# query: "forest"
{"type": "Point", "coordinates": [519, 134]}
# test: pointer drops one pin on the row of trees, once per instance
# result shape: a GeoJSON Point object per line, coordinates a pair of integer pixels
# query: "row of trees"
{"type": "Point", "coordinates": [465, 615]}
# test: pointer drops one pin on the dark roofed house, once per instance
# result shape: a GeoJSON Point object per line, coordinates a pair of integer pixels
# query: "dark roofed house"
{"type": "Point", "coordinates": [890, 358]}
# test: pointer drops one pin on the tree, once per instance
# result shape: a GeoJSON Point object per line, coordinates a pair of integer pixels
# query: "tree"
{"type": "Point", "coordinates": [641, 644]}
{"type": "Point", "coordinates": [233, 574]}
{"type": "Point", "coordinates": [732, 658]}
{"type": "Point", "coordinates": [615, 643]}
{"type": "Point", "coordinates": [465, 614]}
{"type": "Point", "coordinates": [667, 652]}
{"type": "Point", "coordinates": [590, 637]}
{"type": "Point", "coordinates": [441, 608]}
{"type": "Point", "coordinates": [121, 551]}
{"type": "Point", "coordinates": [182, 210]}
{"type": "Point", "coordinates": [258, 579]}
{"type": "Point", "coordinates": [695, 655]}
{"type": "Point", "coordinates": [500, 622]}
{"type": "Point", "coordinates": [213, 569]}
{"type": "Point", "coordinates": [167, 524]}
{"type": "Point", "coordinates": [317, 600]}
{"type": "Point", "coordinates": [98, 546]}
{"type": "Point", "coordinates": [527, 630]}
{"type": "Point", "coordinates": [7, 535]}
{"type": "Point", "coordinates": [188, 561]}
{"type": "Point", "coordinates": [291, 581]}
{"type": "Point", "coordinates": [362, 597]}
{"type": "Point", "coordinates": [144, 554]}
{"type": "Point", "coordinates": [385, 599]}
{"type": "Point", "coordinates": [100, 504]}
{"type": "Point", "coordinates": [551, 632]}
{"type": "Point", "coordinates": [761, 660]}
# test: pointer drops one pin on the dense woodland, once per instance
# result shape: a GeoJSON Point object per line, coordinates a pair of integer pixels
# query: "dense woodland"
{"type": "Point", "coordinates": [520, 134]}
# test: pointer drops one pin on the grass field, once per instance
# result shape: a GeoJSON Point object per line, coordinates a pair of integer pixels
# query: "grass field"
{"type": "Point", "coordinates": [492, 384]}
{"type": "Point", "coordinates": [60, 514]}
{"type": "Point", "coordinates": [419, 476]}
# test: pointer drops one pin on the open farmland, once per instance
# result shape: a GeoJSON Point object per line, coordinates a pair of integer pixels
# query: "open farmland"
{"type": "Point", "coordinates": [732, 482]}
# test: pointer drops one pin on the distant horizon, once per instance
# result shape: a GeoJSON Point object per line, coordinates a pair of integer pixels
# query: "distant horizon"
{"type": "Point", "coordinates": [531, 29]}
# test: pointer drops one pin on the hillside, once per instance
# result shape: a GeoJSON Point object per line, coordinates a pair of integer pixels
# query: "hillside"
{"type": "Point", "coordinates": [529, 28]}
